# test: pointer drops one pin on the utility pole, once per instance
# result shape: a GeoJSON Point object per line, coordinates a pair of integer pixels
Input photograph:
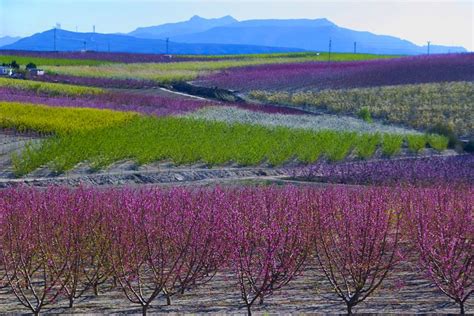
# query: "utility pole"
{"type": "Point", "coordinates": [93, 28]}
{"type": "Point", "coordinates": [429, 43]}
{"type": "Point", "coordinates": [55, 39]}
{"type": "Point", "coordinates": [85, 46]}
{"type": "Point", "coordinates": [355, 47]}
{"type": "Point", "coordinates": [330, 46]}
{"type": "Point", "coordinates": [167, 45]}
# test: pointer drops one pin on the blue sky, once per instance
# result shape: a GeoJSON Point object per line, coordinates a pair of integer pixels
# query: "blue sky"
{"type": "Point", "coordinates": [446, 22]}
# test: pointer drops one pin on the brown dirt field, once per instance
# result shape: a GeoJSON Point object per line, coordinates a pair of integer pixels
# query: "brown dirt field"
{"type": "Point", "coordinates": [309, 293]}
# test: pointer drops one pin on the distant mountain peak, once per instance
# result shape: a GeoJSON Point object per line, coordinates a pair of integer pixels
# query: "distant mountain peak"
{"type": "Point", "coordinates": [224, 18]}
{"type": "Point", "coordinates": [324, 20]}
{"type": "Point", "coordinates": [229, 18]}
{"type": "Point", "coordinates": [7, 40]}
{"type": "Point", "coordinates": [195, 24]}
{"type": "Point", "coordinates": [196, 18]}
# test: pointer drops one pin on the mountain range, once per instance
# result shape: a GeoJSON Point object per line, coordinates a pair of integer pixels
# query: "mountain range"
{"type": "Point", "coordinates": [307, 34]}
{"type": "Point", "coordinates": [7, 40]}
{"type": "Point", "coordinates": [62, 40]}
{"type": "Point", "coordinates": [227, 35]}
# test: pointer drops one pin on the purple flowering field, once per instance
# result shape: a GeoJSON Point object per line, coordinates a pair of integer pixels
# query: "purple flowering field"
{"type": "Point", "coordinates": [342, 75]}
{"type": "Point", "coordinates": [415, 171]}
{"type": "Point", "coordinates": [127, 101]}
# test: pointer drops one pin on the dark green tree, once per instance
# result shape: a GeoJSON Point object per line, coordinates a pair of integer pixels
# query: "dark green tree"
{"type": "Point", "coordinates": [15, 65]}
{"type": "Point", "coordinates": [31, 66]}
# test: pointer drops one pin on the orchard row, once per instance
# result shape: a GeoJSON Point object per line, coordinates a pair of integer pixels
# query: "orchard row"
{"type": "Point", "coordinates": [58, 244]}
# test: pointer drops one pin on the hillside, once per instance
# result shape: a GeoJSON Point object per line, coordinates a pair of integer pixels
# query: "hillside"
{"type": "Point", "coordinates": [7, 40]}
{"type": "Point", "coordinates": [73, 41]}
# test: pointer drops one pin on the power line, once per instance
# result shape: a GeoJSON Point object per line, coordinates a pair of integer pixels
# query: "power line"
{"type": "Point", "coordinates": [330, 45]}
{"type": "Point", "coordinates": [55, 39]}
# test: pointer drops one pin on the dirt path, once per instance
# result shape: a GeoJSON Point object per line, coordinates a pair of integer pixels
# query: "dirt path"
{"type": "Point", "coordinates": [171, 176]}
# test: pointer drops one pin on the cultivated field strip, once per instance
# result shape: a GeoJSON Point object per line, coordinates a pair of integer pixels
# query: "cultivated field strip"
{"type": "Point", "coordinates": [11, 143]}
{"type": "Point", "coordinates": [232, 115]}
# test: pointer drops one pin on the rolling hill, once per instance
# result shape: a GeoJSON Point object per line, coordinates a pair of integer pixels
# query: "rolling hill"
{"type": "Point", "coordinates": [72, 41]}
{"type": "Point", "coordinates": [7, 40]}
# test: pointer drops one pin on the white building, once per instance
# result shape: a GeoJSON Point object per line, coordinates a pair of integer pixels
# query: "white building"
{"type": "Point", "coordinates": [6, 71]}
{"type": "Point", "coordinates": [36, 72]}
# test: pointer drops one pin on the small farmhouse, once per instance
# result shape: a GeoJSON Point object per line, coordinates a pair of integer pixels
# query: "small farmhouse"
{"type": "Point", "coordinates": [36, 72]}
{"type": "Point", "coordinates": [6, 71]}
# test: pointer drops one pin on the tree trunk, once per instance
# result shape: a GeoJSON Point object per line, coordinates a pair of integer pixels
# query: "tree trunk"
{"type": "Point", "coordinates": [144, 309]}
{"type": "Point", "coordinates": [96, 289]}
{"type": "Point", "coordinates": [249, 311]}
{"type": "Point", "coordinates": [461, 308]}
{"type": "Point", "coordinates": [71, 302]}
{"type": "Point", "coordinates": [349, 309]}
{"type": "Point", "coordinates": [168, 297]}
{"type": "Point", "coordinates": [260, 300]}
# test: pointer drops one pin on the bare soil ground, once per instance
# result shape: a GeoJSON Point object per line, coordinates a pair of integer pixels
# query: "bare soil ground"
{"type": "Point", "coordinates": [404, 292]}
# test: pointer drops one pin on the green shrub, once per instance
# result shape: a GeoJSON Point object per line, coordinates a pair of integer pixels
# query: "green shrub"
{"type": "Point", "coordinates": [391, 144]}
{"type": "Point", "coordinates": [416, 142]}
{"type": "Point", "coordinates": [437, 142]}
{"type": "Point", "coordinates": [447, 131]}
{"type": "Point", "coordinates": [367, 145]}
{"type": "Point", "coordinates": [364, 114]}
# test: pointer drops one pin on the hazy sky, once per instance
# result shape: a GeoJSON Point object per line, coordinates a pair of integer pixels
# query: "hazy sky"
{"type": "Point", "coordinates": [446, 22]}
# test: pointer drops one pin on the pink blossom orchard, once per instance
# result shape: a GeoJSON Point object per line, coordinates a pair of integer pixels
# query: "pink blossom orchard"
{"type": "Point", "coordinates": [155, 244]}
{"type": "Point", "coordinates": [443, 228]}
{"type": "Point", "coordinates": [356, 239]}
